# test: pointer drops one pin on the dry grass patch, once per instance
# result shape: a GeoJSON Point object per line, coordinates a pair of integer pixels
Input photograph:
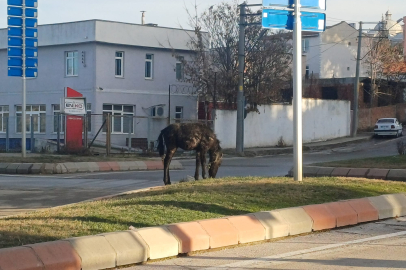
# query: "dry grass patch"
{"type": "Point", "coordinates": [184, 202]}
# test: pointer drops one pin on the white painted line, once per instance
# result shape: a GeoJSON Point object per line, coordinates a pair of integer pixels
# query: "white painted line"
{"type": "Point", "coordinates": [303, 251]}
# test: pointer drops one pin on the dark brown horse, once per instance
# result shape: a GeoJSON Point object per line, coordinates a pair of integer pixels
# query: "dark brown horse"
{"type": "Point", "coordinates": [191, 136]}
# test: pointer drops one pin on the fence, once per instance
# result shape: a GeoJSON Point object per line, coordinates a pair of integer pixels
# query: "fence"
{"type": "Point", "coordinates": [106, 132]}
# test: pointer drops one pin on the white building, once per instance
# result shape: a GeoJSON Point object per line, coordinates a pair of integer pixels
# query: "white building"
{"type": "Point", "coordinates": [332, 54]}
{"type": "Point", "coordinates": [123, 69]}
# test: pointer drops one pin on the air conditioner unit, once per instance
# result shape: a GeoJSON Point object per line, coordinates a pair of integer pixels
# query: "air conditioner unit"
{"type": "Point", "coordinates": [157, 111]}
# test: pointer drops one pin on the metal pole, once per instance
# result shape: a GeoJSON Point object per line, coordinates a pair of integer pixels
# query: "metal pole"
{"type": "Point", "coordinates": [32, 133]}
{"type": "Point", "coordinates": [85, 132]}
{"type": "Point", "coordinates": [58, 133]}
{"type": "Point", "coordinates": [356, 85]}
{"type": "Point", "coordinates": [169, 106]}
{"type": "Point", "coordinates": [7, 135]}
{"type": "Point", "coordinates": [23, 120]}
{"type": "Point", "coordinates": [108, 135]}
{"type": "Point", "coordinates": [297, 94]}
{"type": "Point", "coordinates": [129, 132]}
{"type": "Point", "coordinates": [240, 93]}
{"type": "Point", "coordinates": [149, 132]}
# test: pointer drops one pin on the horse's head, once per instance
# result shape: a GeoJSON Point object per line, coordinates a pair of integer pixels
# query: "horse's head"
{"type": "Point", "coordinates": [216, 156]}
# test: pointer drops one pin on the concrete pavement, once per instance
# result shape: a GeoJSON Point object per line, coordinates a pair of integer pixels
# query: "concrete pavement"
{"type": "Point", "coordinates": [376, 245]}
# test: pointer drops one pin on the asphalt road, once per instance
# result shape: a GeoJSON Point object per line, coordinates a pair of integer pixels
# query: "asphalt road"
{"type": "Point", "coordinates": [379, 245]}
{"type": "Point", "coordinates": [20, 193]}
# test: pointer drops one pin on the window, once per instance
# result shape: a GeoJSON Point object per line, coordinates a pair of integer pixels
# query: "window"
{"type": "Point", "coordinates": [122, 117]}
{"type": "Point", "coordinates": [38, 115]}
{"type": "Point", "coordinates": [179, 68]}
{"type": "Point", "coordinates": [4, 114]}
{"type": "Point", "coordinates": [305, 45]}
{"type": "Point", "coordinates": [307, 72]}
{"type": "Point", "coordinates": [119, 64]}
{"type": "Point", "coordinates": [62, 119]}
{"type": "Point", "coordinates": [71, 64]}
{"type": "Point", "coordinates": [178, 113]}
{"type": "Point", "coordinates": [149, 66]}
{"type": "Point", "coordinates": [348, 68]}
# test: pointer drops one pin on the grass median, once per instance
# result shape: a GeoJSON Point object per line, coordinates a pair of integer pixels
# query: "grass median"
{"type": "Point", "coordinates": [184, 202]}
{"type": "Point", "coordinates": [391, 162]}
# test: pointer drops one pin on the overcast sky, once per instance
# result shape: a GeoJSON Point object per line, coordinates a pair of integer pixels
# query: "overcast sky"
{"type": "Point", "coordinates": [171, 13]}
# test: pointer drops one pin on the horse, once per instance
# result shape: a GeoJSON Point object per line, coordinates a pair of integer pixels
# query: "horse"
{"type": "Point", "coordinates": [190, 136]}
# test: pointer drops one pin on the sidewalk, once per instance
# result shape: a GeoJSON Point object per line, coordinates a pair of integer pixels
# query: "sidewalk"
{"type": "Point", "coordinates": [263, 151]}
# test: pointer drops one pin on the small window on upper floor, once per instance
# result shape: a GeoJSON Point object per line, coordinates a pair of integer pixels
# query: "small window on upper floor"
{"type": "Point", "coordinates": [119, 62]}
{"type": "Point", "coordinates": [71, 62]}
{"type": "Point", "coordinates": [149, 66]}
{"type": "Point", "coordinates": [179, 68]}
{"type": "Point", "coordinates": [305, 45]}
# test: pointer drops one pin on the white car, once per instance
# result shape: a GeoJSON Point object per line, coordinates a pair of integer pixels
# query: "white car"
{"type": "Point", "coordinates": [388, 127]}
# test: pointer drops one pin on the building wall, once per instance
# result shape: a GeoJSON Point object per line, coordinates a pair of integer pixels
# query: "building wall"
{"type": "Point", "coordinates": [313, 57]}
{"type": "Point", "coordinates": [322, 120]}
{"type": "Point", "coordinates": [339, 51]}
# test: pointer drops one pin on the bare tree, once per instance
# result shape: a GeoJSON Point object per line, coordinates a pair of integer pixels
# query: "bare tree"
{"type": "Point", "coordinates": [213, 66]}
{"type": "Point", "coordinates": [386, 67]}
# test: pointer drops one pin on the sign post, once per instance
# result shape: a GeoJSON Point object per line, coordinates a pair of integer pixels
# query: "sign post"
{"type": "Point", "coordinates": [287, 14]}
{"type": "Point", "coordinates": [22, 49]}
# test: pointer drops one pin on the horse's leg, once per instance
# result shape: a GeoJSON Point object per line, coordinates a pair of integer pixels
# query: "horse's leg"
{"type": "Point", "coordinates": [167, 162]}
{"type": "Point", "coordinates": [203, 160]}
{"type": "Point", "coordinates": [197, 165]}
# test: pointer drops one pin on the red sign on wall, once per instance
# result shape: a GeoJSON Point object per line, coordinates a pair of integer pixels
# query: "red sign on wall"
{"type": "Point", "coordinates": [74, 126]}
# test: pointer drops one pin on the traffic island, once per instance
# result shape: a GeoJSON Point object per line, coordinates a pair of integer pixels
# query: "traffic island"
{"type": "Point", "coordinates": [107, 251]}
{"type": "Point", "coordinates": [84, 167]}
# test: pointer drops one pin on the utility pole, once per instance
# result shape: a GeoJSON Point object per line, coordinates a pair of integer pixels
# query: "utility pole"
{"type": "Point", "coordinates": [356, 85]}
{"type": "Point", "coordinates": [297, 94]}
{"type": "Point", "coordinates": [240, 93]}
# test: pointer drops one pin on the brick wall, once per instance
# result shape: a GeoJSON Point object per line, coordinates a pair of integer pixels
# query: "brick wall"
{"type": "Point", "coordinates": [367, 117]}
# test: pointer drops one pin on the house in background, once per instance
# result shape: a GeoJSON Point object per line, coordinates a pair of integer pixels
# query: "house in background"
{"type": "Point", "coordinates": [121, 69]}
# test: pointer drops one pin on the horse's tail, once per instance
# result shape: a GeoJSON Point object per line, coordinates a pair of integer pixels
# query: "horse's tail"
{"type": "Point", "coordinates": [161, 146]}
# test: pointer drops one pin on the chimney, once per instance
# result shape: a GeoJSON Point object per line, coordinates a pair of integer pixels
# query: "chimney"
{"type": "Point", "coordinates": [143, 17]}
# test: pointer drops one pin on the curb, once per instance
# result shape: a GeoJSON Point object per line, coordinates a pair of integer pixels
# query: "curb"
{"type": "Point", "coordinates": [289, 150]}
{"type": "Point", "coordinates": [135, 246]}
{"type": "Point", "coordinates": [84, 167]}
{"type": "Point", "coordinates": [371, 173]}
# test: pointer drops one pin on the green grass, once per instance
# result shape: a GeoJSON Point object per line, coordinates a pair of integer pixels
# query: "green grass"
{"type": "Point", "coordinates": [392, 162]}
{"type": "Point", "coordinates": [184, 202]}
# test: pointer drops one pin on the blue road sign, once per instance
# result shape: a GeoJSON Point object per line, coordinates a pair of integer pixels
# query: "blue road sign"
{"type": "Point", "coordinates": [18, 42]}
{"type": "Point", "coordinates": [313, 21]}
{"type": "Point", "coordinates": [317, 4]}
{"type": "Point", "coordinates": [28, 3]}
{"type": "Point", "coordinates": [283, 19]}
{"type": "Point", "coordinates": [18, 72]}
{"type": "Point", "coordinates": [18, 11]}
{"type": "Point", "coordinates": [17, 21]}
{"type": "Point", "coordinates": [18, 62]}
{"type": "Point", "coordinates": [18, 32]}
{"type": "Point", "coordinates": [17, 51]}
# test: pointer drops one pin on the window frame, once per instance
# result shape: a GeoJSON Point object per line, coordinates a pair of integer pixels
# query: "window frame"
{"type": "Point", "coordinates": [75, 64]}
{"type": "Point", "coordinates": [63, 119]}
{"type": "Point", "coordinates": [4, 111]}
{"type": "Point", "coordinates": [179, 62]}
{"type": "Point", "coordinates": [305, 45]}
{"type": "Point", "coordinates": [29, 112]}
{"type": "Point", "coordinates": [119, 58]}
{"type": "Point", "coordinates": [151, 61]}
{"type": "Point", "coordinates": [113, 111]}
{"type": "Point", "coordinates": [179, 113]}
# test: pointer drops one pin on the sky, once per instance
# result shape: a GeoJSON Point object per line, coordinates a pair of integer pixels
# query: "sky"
{"type": "Point", "coordinates": [171, 13]}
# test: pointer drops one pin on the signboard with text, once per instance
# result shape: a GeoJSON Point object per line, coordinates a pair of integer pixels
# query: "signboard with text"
{"type": "Point", "coordinates": [74, 106]}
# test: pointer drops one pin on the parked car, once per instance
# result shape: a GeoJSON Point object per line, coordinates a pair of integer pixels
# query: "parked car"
{"type": "Point", "coordinates": [388, 127]}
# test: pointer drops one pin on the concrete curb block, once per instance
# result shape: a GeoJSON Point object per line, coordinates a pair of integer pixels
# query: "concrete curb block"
{"type": "Point", "coordinates": [371, 173]}
{"type": "Point", "coordinates": [84, 167]}
{"type": "Point", "coordinates": [117, 249]}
